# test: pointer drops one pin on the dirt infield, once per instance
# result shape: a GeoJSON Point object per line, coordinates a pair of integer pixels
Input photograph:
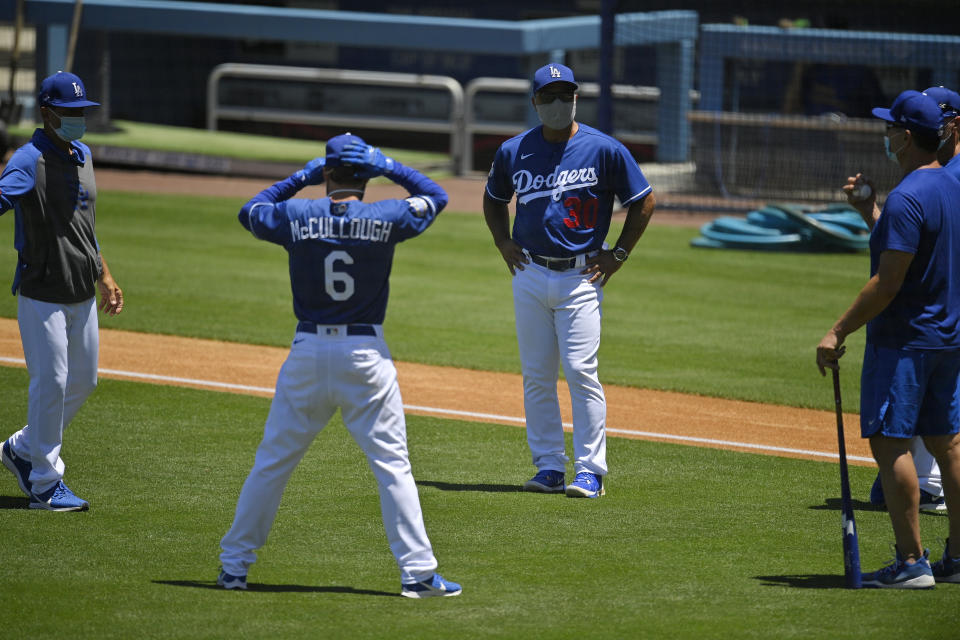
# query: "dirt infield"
{"type": "Point", "coordinates": [476, 395]}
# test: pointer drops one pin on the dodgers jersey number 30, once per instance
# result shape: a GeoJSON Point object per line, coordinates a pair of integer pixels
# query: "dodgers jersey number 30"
{"type": "Point", "coordinates": [564, 190]}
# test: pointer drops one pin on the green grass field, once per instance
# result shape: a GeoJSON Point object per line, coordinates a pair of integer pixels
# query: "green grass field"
{"type": "Point", "coordinates": [158, 137]}
{"type": "Point", "coordinates": [688, 543]}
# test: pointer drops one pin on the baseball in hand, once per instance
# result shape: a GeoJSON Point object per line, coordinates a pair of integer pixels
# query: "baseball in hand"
{"type": "Point", "coordinates": [861, 192]}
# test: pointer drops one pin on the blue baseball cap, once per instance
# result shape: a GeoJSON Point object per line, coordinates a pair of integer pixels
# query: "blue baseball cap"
{"type": "Point", "coordinates": [912, 110]}
{"type": "Point", "coordinates": [553, 72]}
{"type": "Point", "coordinates": [335, 147]}
{"type": "Point", "coordinates": [64, 89]}
{"type": "Point", "coordinates": [948, 99]}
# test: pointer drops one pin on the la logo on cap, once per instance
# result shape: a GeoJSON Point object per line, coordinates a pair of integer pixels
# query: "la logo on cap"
{"type": "Point", "coordinates": [555, 73]}
{"type": "Point", "coordinates": [77, 90]}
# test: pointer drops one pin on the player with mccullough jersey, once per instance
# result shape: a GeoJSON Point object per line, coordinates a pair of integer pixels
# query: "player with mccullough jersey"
{"type": "Point", "coordinates": [340, 255]}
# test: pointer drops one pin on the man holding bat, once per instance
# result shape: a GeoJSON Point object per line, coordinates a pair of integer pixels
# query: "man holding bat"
{"type": "Point", "coordinates": [911, 362]}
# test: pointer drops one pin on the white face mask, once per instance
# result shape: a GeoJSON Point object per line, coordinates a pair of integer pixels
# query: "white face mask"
{"type": "Point", "coordinates": [558, 114]}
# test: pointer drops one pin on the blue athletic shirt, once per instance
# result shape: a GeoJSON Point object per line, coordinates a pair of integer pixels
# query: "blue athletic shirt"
{"type": "Point", "coordinates": [341, 253]}
{"type": "Point", "coordinates": [564, 190]}
{"type": "Point", "coordinates": [953, 167]}
{"type": "Point", "coordinates": [921, 216]}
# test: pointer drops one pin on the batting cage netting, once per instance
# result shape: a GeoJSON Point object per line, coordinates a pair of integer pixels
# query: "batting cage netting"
{"type": "Point", "coordinates": [715, 104]}
{"type": "Point", "coordinates": [782, 109]}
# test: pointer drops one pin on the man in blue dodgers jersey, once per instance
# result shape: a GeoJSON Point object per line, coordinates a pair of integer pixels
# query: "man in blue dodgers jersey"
{"type": "Point", "coordinates": [928, 471]}
{"type": "Point", "coordinates": [911, 361]}
{"type": "Point", "coordinates": [340, 254]}
{"type": "Point", "coordinates": [565, 176]}
{"type": "Point", "coordinates": [49, 183]}
{"type": "Point", "coordinates": [947, 569]}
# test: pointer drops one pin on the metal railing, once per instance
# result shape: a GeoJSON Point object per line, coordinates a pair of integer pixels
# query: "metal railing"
{"type": "Point", "coordinates": [453, 125]}
{"type": "Point", "coordinates": [461, 124]}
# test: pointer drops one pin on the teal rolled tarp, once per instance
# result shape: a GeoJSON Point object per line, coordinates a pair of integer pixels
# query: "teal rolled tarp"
{"type": "Point", "coordinates": [788, 227]}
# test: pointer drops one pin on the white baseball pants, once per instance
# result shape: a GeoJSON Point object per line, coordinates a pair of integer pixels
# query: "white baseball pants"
{"type": "Point", "coordinates": [322, 373]}
{"type": "Point", "coordinates": [928, 471]}
{"type": "Point", "coordinates": [60, 345]}
{"type": "Point", "coordinates": [558, 321]}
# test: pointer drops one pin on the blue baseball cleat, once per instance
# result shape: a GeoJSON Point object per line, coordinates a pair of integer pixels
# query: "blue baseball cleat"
{"type": "Point", "coordinates": [947, 568]}
{"type": "Point", "coordinates": [432, 588]}
{"type": "Point", "coordinates": [18, 466]}
{"type": "Point", "coordinates": [900, 575]}
{"type": "Point", "coordinates": [58, 498]}
{"type": "Point", "coordinates": [586, 485]}
{"type": "Point", "coordinates": [228, 581]}
{"type": "Point", "coordinates": [930, 502]}
{"type": "Point", "coordinates": [546, 481]}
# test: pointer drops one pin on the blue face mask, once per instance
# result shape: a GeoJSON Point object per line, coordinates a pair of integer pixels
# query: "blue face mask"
{"type": "Point", "coordinates": [71, 128]}
{"type": "Point", "coordinates": [944, 141]}
{"type": "Point", "coordinates": [891, 154]}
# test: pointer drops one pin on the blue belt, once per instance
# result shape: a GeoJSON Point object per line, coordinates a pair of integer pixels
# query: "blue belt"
{"type": "Point", "coordinates": [305, 326]}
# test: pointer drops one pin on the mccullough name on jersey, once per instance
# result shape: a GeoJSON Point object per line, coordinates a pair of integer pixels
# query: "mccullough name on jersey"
{"type": "Point", "coordinates": [530, 187]}
{"type": "Point", "coordinates": [333, 228]}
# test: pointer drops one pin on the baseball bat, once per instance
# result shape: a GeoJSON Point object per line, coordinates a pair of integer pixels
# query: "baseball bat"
{"type": "Point", "coordinates": [851, 544]}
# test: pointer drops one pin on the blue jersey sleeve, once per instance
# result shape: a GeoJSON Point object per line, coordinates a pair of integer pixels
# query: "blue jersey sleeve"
{"type": "Point", "coordinates": [499, 181]}
{"type": "Point", "coordinates": [420, 186]}
{"type": "Point", "coordinates": [631, 184]}
{"type": "Point", "coordinates": [427, 199]}
{"type": "Point", "coordinates": [264, 215]}
{"type": "Point", "coordinates": [900, 225]}
{"type": "Point", "coordinates": [270, 222]}
{"type": "Point", "coordinates": [19, 176]}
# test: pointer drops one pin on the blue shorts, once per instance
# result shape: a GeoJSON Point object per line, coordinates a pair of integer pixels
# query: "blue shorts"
{"type": "Point", "coordinates": [909, 393]}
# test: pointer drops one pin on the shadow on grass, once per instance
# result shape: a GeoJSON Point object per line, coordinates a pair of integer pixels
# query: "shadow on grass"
{"type": "Point", "coordinates": [454, 486]}
{"type": "Point", "coordinates": [834, 504]}
{"type": "Point", "coordinates": [11, 502]}
{"type": "Point", "coordinates": [277, 588]}
{"type": "Point", "coordinates": [808, 581]}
